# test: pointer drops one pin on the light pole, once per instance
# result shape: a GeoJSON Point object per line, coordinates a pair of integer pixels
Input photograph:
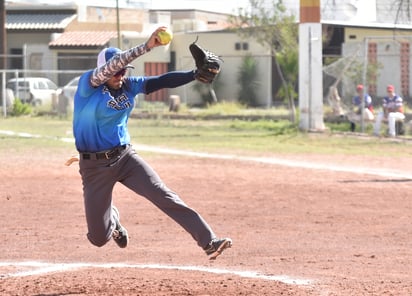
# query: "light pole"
{"type": "Point", "coordinates": [118, 23]}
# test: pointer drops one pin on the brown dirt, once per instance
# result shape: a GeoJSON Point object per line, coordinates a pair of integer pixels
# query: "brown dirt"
{"type": "Point", "coordinates": [349, 234]}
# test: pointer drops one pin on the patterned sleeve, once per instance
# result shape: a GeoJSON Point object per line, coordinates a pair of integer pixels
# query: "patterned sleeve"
{"type": "Point", "coordinates": [118, 62]}
{"type": "Point", "coordinates": [398, 102]}
{"type": "Point", "coordinates": [384, 103]}
{"type": "Point", "coordinates": [368, 100]}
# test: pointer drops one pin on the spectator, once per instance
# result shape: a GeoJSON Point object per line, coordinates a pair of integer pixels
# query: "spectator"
{"type": "Point", "coordinates": [360, 99]}
{"type": "Point", "coordinates": [392, 106]}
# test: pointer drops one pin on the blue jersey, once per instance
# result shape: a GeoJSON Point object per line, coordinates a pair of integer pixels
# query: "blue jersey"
{"type": "Point", "coordinates": [100, 117]}
{"type": "Point", "coordinates": [393, 104]}
{"type": "Point", "coordinates": [358, 102]}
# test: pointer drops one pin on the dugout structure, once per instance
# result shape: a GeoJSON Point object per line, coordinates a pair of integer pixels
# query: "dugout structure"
{"type": "Point", "coordinates": [374, 62]}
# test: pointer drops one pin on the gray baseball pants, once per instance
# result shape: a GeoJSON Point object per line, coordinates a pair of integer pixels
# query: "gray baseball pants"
{"type": "Point", "coordinates": [99, 178]}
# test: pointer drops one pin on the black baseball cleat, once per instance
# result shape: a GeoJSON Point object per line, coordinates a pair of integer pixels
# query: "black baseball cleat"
{"type": "Point", "coordinates": [119, 234]}
{"type": "Point", "coordinates": [217, 246]}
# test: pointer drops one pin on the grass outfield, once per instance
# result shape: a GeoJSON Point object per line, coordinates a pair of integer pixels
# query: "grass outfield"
{"type": "Point", "coordinates": [228, 136]}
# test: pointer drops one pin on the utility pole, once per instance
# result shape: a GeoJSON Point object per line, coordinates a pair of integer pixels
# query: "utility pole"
{"type": "Point", "coordinates": [310, 67]}
{"type": "Point", "coordinates": [3, 51]}
{"type": "Point", "coordinates": [118, 24]}
{"type": "Point", "coordinates": [3, 36]}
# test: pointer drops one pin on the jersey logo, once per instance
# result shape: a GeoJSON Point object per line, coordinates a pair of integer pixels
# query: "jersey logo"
{"type": "Point", "coordinates": [118, 103]}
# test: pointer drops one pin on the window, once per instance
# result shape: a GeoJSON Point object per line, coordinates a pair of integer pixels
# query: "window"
{"type": "Point", "coordinates": [242, 46]}
{"type": "Point", "coordinates": [16, 59]}
{"type": "Point", "coordinates": [50, 85]}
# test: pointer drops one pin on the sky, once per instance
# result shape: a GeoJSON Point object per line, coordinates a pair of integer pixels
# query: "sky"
{"type": "Point", "coordinates": [224, 6]}
{"type": "Point", "coordinates": [332, 9]}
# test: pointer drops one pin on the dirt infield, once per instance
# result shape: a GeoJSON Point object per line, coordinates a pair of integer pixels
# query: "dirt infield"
{"type": "Point", "coordinates": [295, 231]}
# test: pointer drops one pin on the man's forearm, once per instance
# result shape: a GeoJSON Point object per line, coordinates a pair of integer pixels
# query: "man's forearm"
{"type": "Point", "coordinates": [118, 62]}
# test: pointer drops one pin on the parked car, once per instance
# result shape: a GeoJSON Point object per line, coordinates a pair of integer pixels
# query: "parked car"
{"type": "Point", "coordinates": [69, 89]}
{"type": "Point", "coordinates": [34, 90]}
{"type": "Point", "coordinates": [66, 95]}
{"type": "Point", "coordinates": [9, 97]}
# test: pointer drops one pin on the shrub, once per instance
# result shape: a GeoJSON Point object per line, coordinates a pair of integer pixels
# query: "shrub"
{"type": "Point", "coordinates": [20, 108]}
{"type": "Point", "coordinates": [248, 80]}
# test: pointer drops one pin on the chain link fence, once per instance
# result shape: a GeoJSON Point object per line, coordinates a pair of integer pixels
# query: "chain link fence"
{"type": "Point", "coordinates": [376, 62]}
{"type": "Point", "coordinates": [17, 84]}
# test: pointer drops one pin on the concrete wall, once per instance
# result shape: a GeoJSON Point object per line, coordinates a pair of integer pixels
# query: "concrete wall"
{"type": "Point", "coordinates": [359, 34]}
{"type": "Point", "coordinates": [394, 58]}
{"type": "Point", "coordinates": [222, 44]}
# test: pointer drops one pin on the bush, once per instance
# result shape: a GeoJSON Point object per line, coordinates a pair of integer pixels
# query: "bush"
{"type": "Point", "coordinates": [208, 92]}
{"type": "Point", "coordinates": [222, 108]}
{"type": "Point", "coordinates": [248, 81]}
{"type": "Point", "coordinates": [282, 127]}
{"type": "Point", "coordinates": [20, 108]}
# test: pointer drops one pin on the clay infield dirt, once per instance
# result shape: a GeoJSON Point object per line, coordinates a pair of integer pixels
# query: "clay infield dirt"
{"type": "Point", "coordinates": [295, 231]}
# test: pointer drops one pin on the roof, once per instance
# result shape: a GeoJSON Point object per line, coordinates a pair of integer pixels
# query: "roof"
{"type": "Point", "coordinates": [38, 21]}
{"type": "Point", "coordinates": [75, 39]}
{"type": "Point", "coordinates": [174, 10]}
{"type": "Point", "coordinates": [367, 25]}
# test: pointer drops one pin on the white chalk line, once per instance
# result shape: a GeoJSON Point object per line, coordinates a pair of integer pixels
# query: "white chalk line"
{"type": "Point", "coordinates": [280, 161]}
{"type": "Point", "coordinates": [39, 268]}
{"type": "Point", "coordinates": [266, 160]}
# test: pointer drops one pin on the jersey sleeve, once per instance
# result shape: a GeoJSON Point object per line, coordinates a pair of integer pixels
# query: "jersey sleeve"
{"type": "Point", "coordinates": [399, 102]}
{"type": "Point", "coordinates": [368, 100]}
{"type": "Point", "coordinates": [136, 84]}
{"type": "Point", "coordinates": [384, 102]}
{"type": "Point", "coordinates": [116, 63]}
{"type": "Point", "coordinates": [85, 89]}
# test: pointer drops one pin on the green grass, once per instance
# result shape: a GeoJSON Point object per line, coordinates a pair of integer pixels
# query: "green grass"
{"type": "Point", "coordinates": [263, 137]}
{"type": "Point", "coordinates": [42, 125]}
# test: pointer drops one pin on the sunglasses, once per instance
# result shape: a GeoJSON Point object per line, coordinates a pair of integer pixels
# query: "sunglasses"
{"type": "Point", "coordinates": [120, 73]}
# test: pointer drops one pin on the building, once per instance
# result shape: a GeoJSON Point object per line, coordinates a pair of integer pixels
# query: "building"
{"type": "Point", "coordinates": [376, 32]}
{"type": "Point", "coordinates": [60, 42]}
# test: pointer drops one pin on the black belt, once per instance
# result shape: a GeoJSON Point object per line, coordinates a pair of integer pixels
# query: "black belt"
{"type": "Point", "coordinates": [109, 154]}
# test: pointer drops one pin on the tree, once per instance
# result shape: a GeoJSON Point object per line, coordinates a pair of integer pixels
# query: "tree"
{"type": "Point", "coordinates": [3, 47]}
{"type": "Point", "coordinates": [403, 12]}
{"type": "Point", "coordinates": [248, 80]}
{"type": "Point", "coordinates": [289, 63]}
{"type": "Point", "coordinates": [274, 29]}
